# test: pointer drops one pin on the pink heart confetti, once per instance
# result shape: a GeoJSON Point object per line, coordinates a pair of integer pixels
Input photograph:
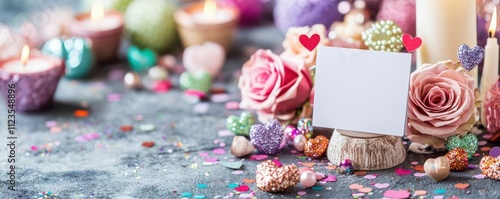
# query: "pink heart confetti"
{"type": "Point", "coordinates": [402, 172]}
{"type": "Point", "coordinates": [277, 162]}
{"type": "Point", "coordinates": [330, 178]}
{"type": "Point", "coordinates": [87, 137]}
{"type": "Point", "coordinates": [242, 188]}
{"type": "Point", "coordinates": [258, 157]}
{"type": "Point", "coordinates": [399, 194]}
{"type": "Point", "coordinates": [219, 151]}
{"type": "Point", "coordinates": [381, 185]}
{"type": "Point", "coordinates": [370, 176]}
{"type": "Point", "coordinates": [419, 174]}
{"type": "Point", "coordinates": [211, 160]}
{"type": "Point", "coordinates": [479, 176]}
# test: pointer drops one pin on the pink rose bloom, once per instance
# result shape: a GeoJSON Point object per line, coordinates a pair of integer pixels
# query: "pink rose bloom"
{"type": "Point", "coordinates": [273, 86]}
{"type": "Point", "coordinates": [294, 48]}
{"type": "Point", "coordinates": [442, 103]}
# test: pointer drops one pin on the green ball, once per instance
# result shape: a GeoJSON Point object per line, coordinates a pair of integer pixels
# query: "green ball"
{"type": "Point", "coordinates": [151, 24]}
{"type": "Point", "coordinates": [118, 5]}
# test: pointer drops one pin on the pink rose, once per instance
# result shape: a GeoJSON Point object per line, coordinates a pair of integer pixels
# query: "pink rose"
{"type": "Point", "coordinates": [442, 103]}
{"type": "Point", "coordinates": [294, 48]}
{"type": "Point", "coordinates": [273, 86]}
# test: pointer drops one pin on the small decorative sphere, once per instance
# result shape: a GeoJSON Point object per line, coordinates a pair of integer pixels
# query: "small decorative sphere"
{"type": "Point", "coordinates": [308, 179]}
{"type": "Point", "coordinates": [291, 132]}
{"type": "Point", "coordinates": [345, 167]}
{"type": "Point", "coordinates": [299, 142]}
{"type": "Point", "coordinates": [132, 80]}
{"type": "Point", "coordinates": [158, 73]}
{"type": "Point", "coordinates": [458, 159]}
{"type": "Point", "coordinates": [304, 125]}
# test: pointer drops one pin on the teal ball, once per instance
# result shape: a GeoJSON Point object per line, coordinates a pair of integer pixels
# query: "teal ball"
{"type": "Point", "coordinates": [151, 24]}
{"type": "Point", "coordinates": [141, 59]}
{"type": "Point", "coordinates": [76, 52]}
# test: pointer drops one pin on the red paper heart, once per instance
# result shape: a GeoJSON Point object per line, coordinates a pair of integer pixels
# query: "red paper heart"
{"type": "Point", "coordinates": [411, 44]}
{"type": "Point", "coordinates": [309, 43]}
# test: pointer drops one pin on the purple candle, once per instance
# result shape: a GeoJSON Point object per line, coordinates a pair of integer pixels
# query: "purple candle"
{"type": "Point", "coordinates": [29, 83]}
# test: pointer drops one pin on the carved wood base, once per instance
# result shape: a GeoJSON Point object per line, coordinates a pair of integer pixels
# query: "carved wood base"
{"type": "Point", "coordinates": [373, 153]}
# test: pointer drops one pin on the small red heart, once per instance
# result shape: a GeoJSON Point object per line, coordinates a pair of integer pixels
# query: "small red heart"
{"type": "Point", "coordinates": [309, 43]}
{"type": "Point", "coordinates": [242, 188]}
{"type": "Point", "coordinates": [411, 44]}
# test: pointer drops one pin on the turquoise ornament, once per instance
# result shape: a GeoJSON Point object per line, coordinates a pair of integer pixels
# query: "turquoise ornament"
{"type": "Point", "coordinates": [141, 60]}
{"type": "Point", "coordinates": [469, 142]}
{"type": "Point", "coordinates": [240, 125]}
{"type": "Point", "coordinates": [201, 81]}
{"type": "Point", "coordinates": [77, 53]}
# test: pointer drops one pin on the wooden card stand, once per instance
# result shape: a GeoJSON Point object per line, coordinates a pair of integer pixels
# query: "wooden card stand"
{"type": "Point", "coordinates": [366, 151]}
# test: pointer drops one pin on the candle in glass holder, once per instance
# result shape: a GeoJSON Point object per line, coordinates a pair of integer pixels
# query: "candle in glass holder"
{"type": "Point", "coordinates": [33, 80]}
{"type": "Point", "coordinates": [490, 67]}
{"type": "Point", "coordinates": [104, 29]}
{"type": "Point", "coordinates": [207, 21]}
{"type": "Point", "coordinates": [491, 109]}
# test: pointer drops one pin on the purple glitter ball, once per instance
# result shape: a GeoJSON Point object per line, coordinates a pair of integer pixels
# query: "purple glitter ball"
{"type": "Point", "coordinates": [250, 10]}
{"type": "Point", "coordinates": [267, 139]}
{"type": "Point", "coordinates": [296, 13]}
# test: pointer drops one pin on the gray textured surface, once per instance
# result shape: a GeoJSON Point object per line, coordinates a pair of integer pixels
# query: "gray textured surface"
{"type": "Point", "coordinates": [117, 166]}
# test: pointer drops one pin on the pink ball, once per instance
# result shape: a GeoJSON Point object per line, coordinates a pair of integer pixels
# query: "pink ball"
{"type": "Point", "coordinates": [299, 142]}
{"type": "Point", "coordinates": [402, 12]}
{"type": "Point", "coordinates": [250, 10]}
{"type": "Point", "coordinates": [308, 179]}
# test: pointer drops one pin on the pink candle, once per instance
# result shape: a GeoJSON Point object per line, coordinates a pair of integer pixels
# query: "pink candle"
{"type": "Point", "coordinates": [34, 80]}
{"type": "Point", "coordinates": [104, 29]}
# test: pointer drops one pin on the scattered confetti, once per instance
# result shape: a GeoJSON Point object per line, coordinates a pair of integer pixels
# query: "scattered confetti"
{"type": "Point", "coordinates": [420, 192]}
{"type": "Point", "coordinates": [482, 143]}
{"type": "Point", "coordinates": [147, 127]}
{"type": "Point", "coordinates": [202, 186]}
{"type": "Point", "coordinates": [50, 124]}
{"type": "Point", "coordinates": [247, 195]}
{"type": "Point", "coordinates": [212, 160]}
{"type": "Point", "coordinates": [126, 128]}
{"type": "Point", "coordinates": [358, 195]}
{"type": "Point", "coordinates": [495, 152]}
{"type": "Point", "coordinates": [258, 157]}
{"type": "Point", "coordinates": [330, 178]}
{"type": "Point", "coordinates": [233, 185]}
{"type": "Point", "coordinates": [332, 167]}
{"type": "Point", "coordinates": [277, 162]}
{"type": "Point", "coordinates": [203, 154]}
{"type": "Point", "coordinates": [365, 190]}
{"type": "Point", "coordinates": [199, 196]}
{"type": "Point", "coordinates": [224, 133]}
{"type": "Point", "coordinates": [87, 137]}
{"type": "Point", "coordinates": [479, 176]}
{"type": "Point", "coordinates": [233, 165]}
{"type": "Point", "coordinates": [148, 144]}
{"type": "Point", "coordinates": [219, 151]}
{"type": "Point", "coordinates": [485, 149]}
{"type": "Point", "coordinates": [55, 129]}
{"type": "Point", "coordinates": [201, 108]}
{"type": "Point", "coordinates": [248, 180]}
{"type": "Point", "coordinates": [360, 173]}
{"type": "Point", "coordinates": [238, 172]}
{"type": "Point", "coordinates": [370, 177]}
{"type": "Point", "coordinates": [81, 113]}
{"type": "Point", "coordinates": [187, 194]}
{"type": "Point", "coordinates": [218, 98]}
{"type": "Point", "coordinates": [438, 197]}
{"type": "Point", "coordinates": [419, 168]}
{"type": "Point", "coordinates": [309, 164]}
{"type": "Point", "coordinates": [381, 185]}
{"type": "Point", "coordinates": [402, 172]}
{"type": "Point", "coordinates": [413, 163]}
{"type": "Point", "coordinates": [242, 188]}
{"type": "Point", "coordinates": [355, 186]}
{"type": "Point", "coordinates": [317, 188]}
{"type": "Point", "coordinates": [419, 174]}
{"type": "Point", "coordinates": [487, 136]}
{"type": "Point", "coordinates": [232, 105]}
{"type": "Point", "coordinates": [301, 193]}
{"type": "Point", "coordinates": [440, 191]}
{"type": "Point", "coordinates": [397, 194]}
{"type": "Point", "coordinates": [462, 185]}
{"type": "Point", "coordinates": [114, 97]}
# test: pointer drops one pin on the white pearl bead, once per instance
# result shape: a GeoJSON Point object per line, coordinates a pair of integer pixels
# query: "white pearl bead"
{"type": "Point", "coordinates": [299, 142]}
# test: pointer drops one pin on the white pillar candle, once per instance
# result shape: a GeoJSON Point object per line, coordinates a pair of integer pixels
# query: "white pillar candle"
{"type": "Point", "coordinates": [490, 68]}
{"type": "Point", "coordinates": [444, 25]}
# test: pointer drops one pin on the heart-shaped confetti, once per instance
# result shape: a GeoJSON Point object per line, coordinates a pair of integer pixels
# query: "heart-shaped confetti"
{"type": "Point", "coordinates": [469, 142]}
{"type": "Point", "coordinates": [495, 152]}
{"type": "Point", "coordinates": [381, 185]}
{"type": "Point", "coordinates": [271, 178]}
{"type": "Point", "coordinates": [438, 169]}
{"type": "Point", "coordinates": [267, 139]}
{"type": "Point", "coordinates": [233, 165]}
{"type": "Point", "coordinates": [309, 43]}
{"type": "Point", "coordinates": [240, 125]}
{"type": "Point", "coordinates": [399, 194]}
{"type": "Point", "coordinates": [402, 172]}
{"type": "Point", "coordinates": [411, 43]}
{"type": "Point", "coordinates": [316, 147]}
{"type": "Point", "coordinates": [258, 157]}
{"type": "Point", "coordinates": [470, 58]}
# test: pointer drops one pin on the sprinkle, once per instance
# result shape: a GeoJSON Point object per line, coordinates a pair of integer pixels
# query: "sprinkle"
{"type": "Point", "coordinates": [370, 177]}
{"type": "Point", "coordinates": [438, 197]}
{"type": "Point", "coordinates": [258, 157]}
{"type": "Point", "coordinates": [420, 192]}
{"type": "Point", "coordinates": [148, 144]}
{"type": "Point", "coordinates": [381, 185]}
{"type": "Point", "coordinates": [187, 194]}
{"type": "Point", "coordinates": [55, 129]}
{"type": "Point", "coordinates": [309, 164]}
{"type": "Point", "coordinates": [81, 113]}
{"type": "Point", "coordinates": [402, 172]}
{"type": "Point", "coordinates": [34, 148]}
{"type": "Point", "coordinates": [419, 175]}
{"type": "Point", "coordinates": [203, 154]}
{"type": "Point", "coordinates": [202, 186]}
{"type": "Point", "coordinates": [462, 186]}
{"type": "Point", "coordinates": [126, 128]}
{"type": "Point", "coordinates": [487, 136]}
{"type": "Point", "coordinates": [301, 193]}
{"type": "Point", "coordinates": [199, 196]}
{"type": "Point", "coordinates": [50, 124]}
{"type": "Point", "coordinates": [414, 163]}
{"type": "Point", "coordinates": [419, 168]}
{"type": "Point", "coordinates": [365, 190]}
{"type": "Point", "coordinates": [114, 97]}
{"type": "Point", "coordinates": [237, 172]}
{"type": "Point", "coordinates": [440, 191]}
{"type": "Point", "coordinates": [147, 127]}
{"type": "Point", "coordinates": [248, 180]}
{"type": "Point", "coordinates": [479, 176]}
{"type": "Point", "coordinates": [397, 194]}
{"type": "Point", "coordinates": [233, 185]}
{"type": "Point", "coordinates": [212, 160]}
{"type": "Point", "coordinates": [330, 178]}
{"type": "Point", "coordinates": [482, 143]}
{"type": "Point", "coordinates": [360, 173]}
{"type": "Point", "coordinates": [233, 165]}
{"type": "Point", "coordinates": [485, 149]}
{"type": "Point", "coordinates": [218, 98]}
{"type": "Point", "coordinates": [317, 188]}
{"type": "Point", "coordinates": [355, 186]}
{"type": "Point", "coordinates": [242, 188]}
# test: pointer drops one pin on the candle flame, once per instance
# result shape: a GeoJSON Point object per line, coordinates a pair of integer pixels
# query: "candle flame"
{"type": "Point", "coordinates": [97, 11]}
{"type": "Point", "coordinates": [493, 23]}
{"type": "Point", "coordinates": [25, 54]}
{"type": "Point", "coordinates": [210, 9]}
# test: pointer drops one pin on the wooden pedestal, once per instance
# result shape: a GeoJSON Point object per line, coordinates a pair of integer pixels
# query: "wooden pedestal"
{"type": "Point", "coordinates": [367, 152]}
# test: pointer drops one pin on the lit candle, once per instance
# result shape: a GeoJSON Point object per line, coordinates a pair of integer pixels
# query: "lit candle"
{"type": "Point", "coordinates": [103, 28]}
{"type": "Point", "coordinates": [33, 78]}
{"type": "Point", "coordinates": [490, 68]}
{"type": "Point", "coordinates": [444, 25]}
{"type": "Point", "coordinates": [207, 22]}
